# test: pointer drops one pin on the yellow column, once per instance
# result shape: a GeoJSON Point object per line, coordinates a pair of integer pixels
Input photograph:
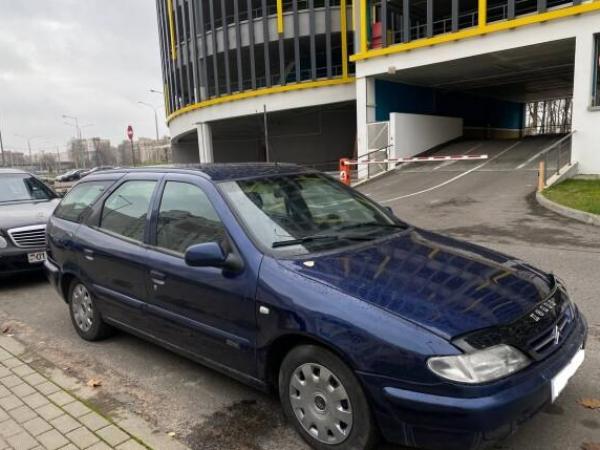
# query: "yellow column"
{"type": "Point", "coordinates": [482, 13]}
{"type": "Point", "coordinates": [172, 28]}
{"type": "Point", "coordinates": [279, 16]}
{"type": "Point", "coordinates": [363, 26]}
{"type": "Point", "coordinates": [344, 31]}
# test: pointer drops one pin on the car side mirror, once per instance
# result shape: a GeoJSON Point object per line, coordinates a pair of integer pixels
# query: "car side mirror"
{"type": "Point", "coordinates": [209, 254]}
{"type": "Point", "coordinates": [389, 209]}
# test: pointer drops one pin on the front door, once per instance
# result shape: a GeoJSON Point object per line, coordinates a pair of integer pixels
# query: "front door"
{"type": "Point", "coordinates": [207, 311]}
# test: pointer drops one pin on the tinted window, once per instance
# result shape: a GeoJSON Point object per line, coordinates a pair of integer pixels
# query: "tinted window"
{"type": "Point", "coordinates": [79, 199]}
{"type": "Point", "coordinates": [126, 209]}
{"type": "Point", "coordinates": [186, 217]}
{"type": "Point", "coordinates": [23, 187]}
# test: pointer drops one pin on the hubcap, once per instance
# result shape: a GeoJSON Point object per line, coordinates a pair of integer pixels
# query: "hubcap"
{"type": "Point", "coordinates": [321, 403]}
{"type": "Point", "coordinates": [83, 310]}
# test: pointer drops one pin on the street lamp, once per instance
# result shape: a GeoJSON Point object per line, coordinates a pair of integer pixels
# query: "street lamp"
{"type": "Point", "coordinates": [155, 116]}
{"type": "Point", "coordinates": [65, 116]}
{"type": "Point", "coordinates": [28, 139]}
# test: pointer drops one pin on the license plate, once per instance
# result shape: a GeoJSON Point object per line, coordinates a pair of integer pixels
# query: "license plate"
{"type": "Point", "coordinates": [36, 257]}
{"type": "Point", "coordinates": [559, 382]}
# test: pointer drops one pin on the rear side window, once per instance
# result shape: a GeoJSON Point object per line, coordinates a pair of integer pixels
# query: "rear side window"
{"type": "Point", "coordinates": [80, 199]}
{"type": "Point", "coordinates": [186, 217]}
{"type": "Point", "coordinates": [125, 210]}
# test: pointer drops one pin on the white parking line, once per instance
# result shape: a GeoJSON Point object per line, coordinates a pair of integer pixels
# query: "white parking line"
{"type": "Point", "coordinates": [451, 180]}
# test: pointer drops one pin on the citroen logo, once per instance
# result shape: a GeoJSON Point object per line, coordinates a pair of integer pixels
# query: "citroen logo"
{"type": "Point", "coordinates": [556, 335]}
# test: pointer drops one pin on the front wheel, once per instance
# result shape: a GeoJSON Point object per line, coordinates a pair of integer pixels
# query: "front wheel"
{"type": "Point", "coordinates": [324, 401]}
{"type": "Point", "coordinates": [85, 315]}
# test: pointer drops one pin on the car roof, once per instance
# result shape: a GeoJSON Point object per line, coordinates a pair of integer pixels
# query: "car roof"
{"type": "Point", "coordinates": [217, 171]}
{"type": "Point", "coordinates": [11, 170]}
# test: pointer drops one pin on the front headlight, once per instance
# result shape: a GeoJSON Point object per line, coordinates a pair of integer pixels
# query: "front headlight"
{"type": "Point", "coordinates": [479, 366]}
{"type": "Point", "coordinates": [3, 242]}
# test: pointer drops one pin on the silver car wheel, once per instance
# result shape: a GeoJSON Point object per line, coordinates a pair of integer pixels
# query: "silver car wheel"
{"type": "Point", "coordinates": [82, 307]}
{"type": "Point", "coordinates": [321, 403]}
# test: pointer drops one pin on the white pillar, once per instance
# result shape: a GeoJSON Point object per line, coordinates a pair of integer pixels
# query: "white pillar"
{"type": "Point", "coordinates": [205, 144]}
{"type": "Point", "coordinates": [586, 120]}
{"type": "Point", "coordinates": [365, 114]}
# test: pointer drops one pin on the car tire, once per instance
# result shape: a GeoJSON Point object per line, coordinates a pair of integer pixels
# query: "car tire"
{"type": "Point", "coordinates": [85, 316]}
{"type": "Point", "coordinates": [324, 401]}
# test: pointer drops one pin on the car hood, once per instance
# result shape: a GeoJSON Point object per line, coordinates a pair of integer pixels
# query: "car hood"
{"type": "Point", "coordinates": [447, 286]}
{"type": "Point", "coordinates": [21, 214]}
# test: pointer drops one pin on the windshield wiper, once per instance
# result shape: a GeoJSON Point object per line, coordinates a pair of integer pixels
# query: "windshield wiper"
{"type": "Point", "coordinates": [374, 224]}
{"type": "Point", "coordinates": [320, 237]}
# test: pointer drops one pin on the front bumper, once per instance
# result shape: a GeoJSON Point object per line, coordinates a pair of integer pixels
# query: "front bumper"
{"type": "Point", "coordinates": [13, 261]}
{"type": "Point", "coordinates": [484, 415]}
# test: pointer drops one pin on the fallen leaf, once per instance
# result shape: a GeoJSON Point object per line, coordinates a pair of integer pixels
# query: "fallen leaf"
{"type": "Point", "coordinates": [591, 403]}
{"type": "Point", "coordinates": [94, 383]}
{"type": "Point", "coordinates": [171, 433]}
{"type": "Point", "coordinates": [590, 446]}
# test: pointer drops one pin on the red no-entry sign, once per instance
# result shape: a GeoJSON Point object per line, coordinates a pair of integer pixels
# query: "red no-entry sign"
{"type": "Point", "coordinates": [130, 132]}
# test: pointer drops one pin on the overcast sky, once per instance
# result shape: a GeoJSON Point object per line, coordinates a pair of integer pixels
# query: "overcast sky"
{"type": "Point", "coordinates": [93, 59]}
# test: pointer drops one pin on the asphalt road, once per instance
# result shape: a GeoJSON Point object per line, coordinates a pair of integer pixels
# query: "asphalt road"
{"type": "Point", "coordinates": [492, 205]}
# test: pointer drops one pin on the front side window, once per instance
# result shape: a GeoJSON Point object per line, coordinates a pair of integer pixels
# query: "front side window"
{"type": "Point", "coordinates": [125, 210]}
{"type": "Point", "coordinates": [186, 217]}
{"type": "Point", "coordinates": [80, 199]}
{"type": "Point", "coordinates": [299, 214]}
{"type": "Point", "coordinates": [19, 187]}
{"type": "Point", "coordinates": [596, 91]}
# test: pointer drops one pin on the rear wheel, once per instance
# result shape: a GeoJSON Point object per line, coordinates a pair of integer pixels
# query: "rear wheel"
{"type": "Point", "coordinates": [85, 315]}
{"type": "Point", "coordinates": [324, 401]}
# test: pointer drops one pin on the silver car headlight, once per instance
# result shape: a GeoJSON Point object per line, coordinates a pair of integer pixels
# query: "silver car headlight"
{"type": "Point", "coordinates": [3, 241]}
{"type": "Point", "coordinates": [479, 366]}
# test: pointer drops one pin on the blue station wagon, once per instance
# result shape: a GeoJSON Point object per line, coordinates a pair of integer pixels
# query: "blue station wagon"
{"type": "Point", "coordinates": [286, 279]}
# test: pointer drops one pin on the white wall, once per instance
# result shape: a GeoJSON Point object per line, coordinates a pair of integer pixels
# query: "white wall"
{"type": "Point", "coordinates": [411, 134]}
{"type": "Point", "coordinates": [586, 120]}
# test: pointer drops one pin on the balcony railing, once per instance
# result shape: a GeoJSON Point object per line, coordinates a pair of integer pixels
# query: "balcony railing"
{"type": "Point", "coordinates": [390, 25]}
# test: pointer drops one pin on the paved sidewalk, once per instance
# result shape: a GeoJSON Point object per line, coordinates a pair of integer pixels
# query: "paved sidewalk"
{"type": "Point", "coordinates": [36, 413]}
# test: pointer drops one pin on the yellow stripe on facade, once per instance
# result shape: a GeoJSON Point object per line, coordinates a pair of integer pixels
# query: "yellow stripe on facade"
{"type": "Point", "coordinates": [279, 16]}
{"type": "Point", "coordinates": [172, 28]}
{"type": "Point", "coordinates": [259, 92]}
{"type": "Point", "coordinates": [469, 32]}
{"type": "Point", "coordinates": [344, 32]}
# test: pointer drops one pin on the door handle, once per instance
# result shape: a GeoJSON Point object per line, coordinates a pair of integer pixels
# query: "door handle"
{"type": "Point", "coordinates": [157, 277]}
{"type": "Point", "coordinates": [88, 254]}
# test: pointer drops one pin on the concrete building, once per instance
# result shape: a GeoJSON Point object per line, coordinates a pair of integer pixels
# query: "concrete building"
{"type": "Point", "coordinates": [340, 78]}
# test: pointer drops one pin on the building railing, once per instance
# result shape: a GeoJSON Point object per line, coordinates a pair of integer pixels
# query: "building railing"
{"type": "Point", "coordinates": [385, 28]}
{"type": "Point", "coordinates": [554, 159]}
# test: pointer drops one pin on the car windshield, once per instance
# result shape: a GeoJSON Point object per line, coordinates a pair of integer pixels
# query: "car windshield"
{"type": "Point", "coordinates": [299, 214]}
{"type": "Point", "coordinates": [22, 187]}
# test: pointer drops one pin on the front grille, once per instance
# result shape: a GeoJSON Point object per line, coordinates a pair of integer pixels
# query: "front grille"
{"type": "Point", "coordinates": [538, 333]}
{"type": "Point", "coordinates": [554, 335]}
{"type": "Point", "coordinates": [29, 237]}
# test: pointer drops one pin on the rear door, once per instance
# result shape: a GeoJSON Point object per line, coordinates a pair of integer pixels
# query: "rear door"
{"type": "Point", "coordinates": [207, 311]}
{"type": "Point", "coordinates": [112, 251]}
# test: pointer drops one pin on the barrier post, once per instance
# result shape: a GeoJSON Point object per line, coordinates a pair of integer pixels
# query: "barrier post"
{"type": "Point", "coordinates": [344, 169]}
{"type": "Point", "coordinates": [542, 176]}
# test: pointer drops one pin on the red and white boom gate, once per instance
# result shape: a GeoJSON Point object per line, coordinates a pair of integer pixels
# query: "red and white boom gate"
{"type": "Point", "coordinates": [345, 167]}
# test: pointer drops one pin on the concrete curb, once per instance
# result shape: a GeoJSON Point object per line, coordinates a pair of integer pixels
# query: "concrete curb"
{"type": "Point", "coordinates": [580, 216]}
